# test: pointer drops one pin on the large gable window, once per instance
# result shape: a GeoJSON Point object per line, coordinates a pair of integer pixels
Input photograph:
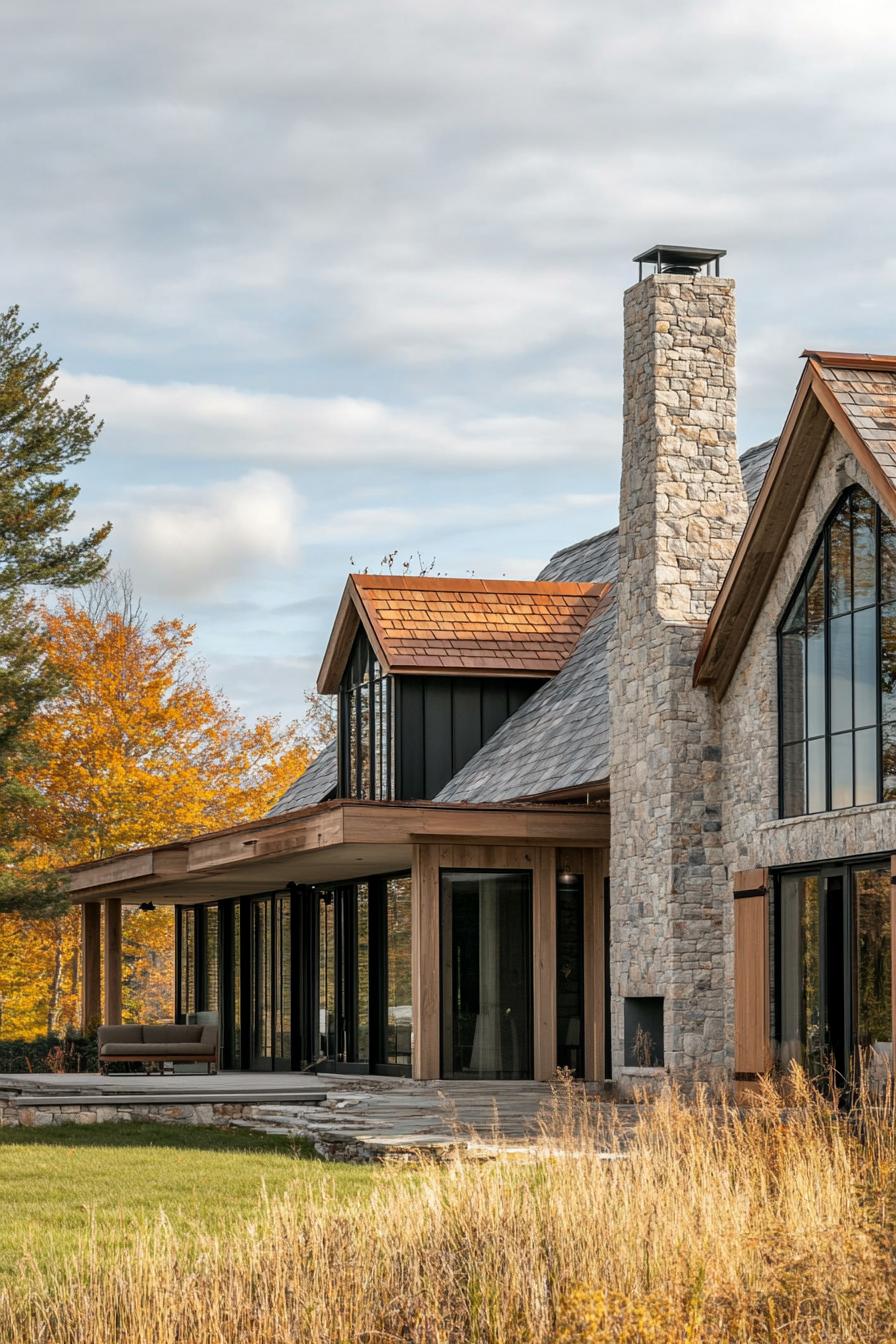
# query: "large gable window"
{"type": "Point", "coordinates": [366, 718]}
{"type": "Point", "coordinates": [837, 666]}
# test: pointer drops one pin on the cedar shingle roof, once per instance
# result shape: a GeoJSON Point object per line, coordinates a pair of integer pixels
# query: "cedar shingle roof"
{"type": "Point", "coordinates": [485, 627]}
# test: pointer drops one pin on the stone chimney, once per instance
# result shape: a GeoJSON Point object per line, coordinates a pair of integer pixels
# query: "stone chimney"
{"type": "Point", "coordinates": [682, 509]}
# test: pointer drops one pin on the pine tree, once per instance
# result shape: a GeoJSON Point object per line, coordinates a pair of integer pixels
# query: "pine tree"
{"type": "Point", "coordinates": [40, 439]}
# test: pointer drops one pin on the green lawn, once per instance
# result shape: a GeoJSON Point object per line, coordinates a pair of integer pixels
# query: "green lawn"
{"type": "Point", "coordinates": [55, 1182]}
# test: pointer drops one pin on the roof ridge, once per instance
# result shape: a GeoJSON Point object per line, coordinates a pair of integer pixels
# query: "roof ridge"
{"type": "Point", "coordinates": [448, 583]}
{"type": "Point", "coordinates": [844, 359]}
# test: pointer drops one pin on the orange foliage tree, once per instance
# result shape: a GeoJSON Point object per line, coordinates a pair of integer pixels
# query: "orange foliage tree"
{"type": "Point", "coordinates": [137, 750]}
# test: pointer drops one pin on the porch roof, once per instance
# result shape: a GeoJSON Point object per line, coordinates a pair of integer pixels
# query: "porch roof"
{"type": "Point", "coordinates": [333, 841]}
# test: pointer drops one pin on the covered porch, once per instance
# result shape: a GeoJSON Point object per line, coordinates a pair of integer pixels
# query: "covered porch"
{"type": "Point", "coordinates": [436, 940]}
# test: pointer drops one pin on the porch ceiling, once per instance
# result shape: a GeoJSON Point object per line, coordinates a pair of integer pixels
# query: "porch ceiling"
{"type": "Point", "coordinates": [333, 841]}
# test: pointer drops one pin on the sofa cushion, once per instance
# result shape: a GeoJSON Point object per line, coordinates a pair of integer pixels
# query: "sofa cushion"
{"type": "Point", "coordinates": [132, 1034]}
{"type": "Point", "coordinates": [171, 1034]}
{"type": "Point", "coordinates": [173, 1050]}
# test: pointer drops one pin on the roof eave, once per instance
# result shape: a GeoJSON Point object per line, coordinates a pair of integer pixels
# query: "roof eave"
{"type": "Point", "coordinates": [721, 646]}
{"type": "Point", "coordinates": [350, 615]}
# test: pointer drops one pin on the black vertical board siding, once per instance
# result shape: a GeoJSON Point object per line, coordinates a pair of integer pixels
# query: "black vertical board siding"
{"type": "Point", "coordinates": [441, 722]}
{"type": "Point", "coordinates": [438, 735]}
{"type": "Point", "coordinates": [494, 707]}
{"type": "Point", "coordinates": [410, 738]}
{"type": "Point", "coordinates": [466, 729]}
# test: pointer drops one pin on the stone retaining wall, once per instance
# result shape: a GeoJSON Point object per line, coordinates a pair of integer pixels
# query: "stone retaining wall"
{"type": "Point", "coordinates": [221, 1114]}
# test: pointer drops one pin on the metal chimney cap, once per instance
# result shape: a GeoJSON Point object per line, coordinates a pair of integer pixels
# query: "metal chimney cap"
{"type": "Point", "coordinates": [683, 260]}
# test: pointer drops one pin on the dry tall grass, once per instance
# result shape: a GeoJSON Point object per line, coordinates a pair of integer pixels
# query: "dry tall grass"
{"type": "Point", "coordinates": [767, 1224]}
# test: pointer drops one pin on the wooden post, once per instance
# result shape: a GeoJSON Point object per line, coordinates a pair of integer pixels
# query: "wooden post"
{"type": "Point", "coordinates": [90, 967]}
{"type": "Point", "coordinates": [544, 962]}
{"type": "Point", "coordinates": [425, 968]}
{"type": "Point", "coordinates": [112, 951]}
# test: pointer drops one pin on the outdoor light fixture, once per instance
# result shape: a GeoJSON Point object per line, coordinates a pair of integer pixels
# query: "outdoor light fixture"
{"type": "Point", "coordinates": [567, 877]}
{"type": "Point", "coordinates": [147, 907]}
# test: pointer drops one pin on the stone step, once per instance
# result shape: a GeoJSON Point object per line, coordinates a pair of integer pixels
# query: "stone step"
{"type": "Point", "coordinates": [36, 1099]}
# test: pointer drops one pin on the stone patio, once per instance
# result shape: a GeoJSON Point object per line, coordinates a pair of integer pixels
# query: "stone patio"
{"type": "Point", "coordinates": [344, 1116]}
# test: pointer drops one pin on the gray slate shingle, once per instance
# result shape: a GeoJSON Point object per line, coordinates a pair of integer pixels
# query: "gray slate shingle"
{"type": "Point", "coordinates": [560, 737]}
{"type": "Point", "coordinates": [317, 783]}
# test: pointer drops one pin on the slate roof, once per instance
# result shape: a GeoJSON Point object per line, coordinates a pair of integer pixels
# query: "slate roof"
{"type": "Point", "coordinates": [461, 626]}
{"type": "Point", "coordinates": [559, 739]}
{"type": "Point", "coordinates": [867, 395]}
{"type": "Point", "coordinates": [317, 783]}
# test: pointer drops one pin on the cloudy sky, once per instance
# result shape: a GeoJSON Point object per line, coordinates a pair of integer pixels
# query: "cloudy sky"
{"type": "Point", "coordinates": [344, 278]}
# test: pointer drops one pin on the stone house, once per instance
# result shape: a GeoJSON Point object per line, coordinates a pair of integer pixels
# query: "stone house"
{"type": "Point", "coordinates": [634, 817]}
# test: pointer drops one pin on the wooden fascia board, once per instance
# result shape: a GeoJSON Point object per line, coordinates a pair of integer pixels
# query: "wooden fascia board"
{"type": "Point", "coordinates": [351, 613]}
{"type": "Point", "coordinates": [143, 864]}
{"type": "Point", "coordinates": [707, 668]}
{"type": "Point", "coordinates": [298, 836]}
{"type": "Point", "coordinates": [853, 438]}
{"type": "Point", "coordinates": [524, 825]}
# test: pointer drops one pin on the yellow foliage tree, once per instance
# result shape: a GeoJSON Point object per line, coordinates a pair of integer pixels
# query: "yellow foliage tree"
{"type": "Point", "coordinates": [137, 750]}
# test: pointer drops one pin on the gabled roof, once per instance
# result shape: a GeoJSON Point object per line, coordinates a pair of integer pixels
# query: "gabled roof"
{"type": "Point", "coordinates": [559, 739]}
{"type": "Point", "coordinates": [460, 627]}
{"type": "Point", "coordinates": [317, 784]}
{"type": "Point", "coordinates": [857, 395]}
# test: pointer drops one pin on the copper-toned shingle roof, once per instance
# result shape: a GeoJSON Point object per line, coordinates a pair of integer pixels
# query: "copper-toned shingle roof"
{"type": "Point", "coordinates": [485, 627]}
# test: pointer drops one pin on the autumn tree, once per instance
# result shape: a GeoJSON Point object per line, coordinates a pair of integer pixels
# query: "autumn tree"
{"type": "Point", "coordinates": [40, 439]}
{"type": "Point", "coordinates": [136, 749]}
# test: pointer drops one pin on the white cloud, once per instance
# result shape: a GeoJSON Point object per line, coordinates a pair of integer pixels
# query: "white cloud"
{"type": "Point", "coordinates": [206, 421]}
{"type": "Point", "coordinates": [414, 526]}
{"type": "Point", "coordinates": [194, 543]}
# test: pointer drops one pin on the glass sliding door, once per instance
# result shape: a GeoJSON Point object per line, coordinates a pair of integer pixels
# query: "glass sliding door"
{"type": "Point", "coordinates": [231, 1007]}
{"type": "Point", "coordinates": [873, 982]}
{"type": "Point", "coordinates": [343, 976]}
{"type": "Point", "coordinates": [282, 992]}
{"type": "Point", "coordinates": [211, 970]}
{"type": "Point", "coordinates": [833, 997]}
{"type": "Point", "coordinates": [486, 927]}
{"type": "Point", "coordinates": [570, 973]}
{"type": "Point", "coordinates": [326, 976]}
{"type": "Point", "coordinates": [398, 971]}
{"type": "Point", "coordinates": [262, 983]}
{"type": "Point", "coordinates": [185, 938]}
{"type": "Point", "coordinates": [361, 973]}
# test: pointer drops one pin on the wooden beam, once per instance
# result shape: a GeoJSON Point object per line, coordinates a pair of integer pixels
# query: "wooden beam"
{"type": "Point", "coordinates": [596, 865]}
{"type": "Point", "coordinates": [544, 962]}
{"type": "Point", "coordinates": [425, 963]}
{"type": "Point", "coordinates": [91, 1007]}
{"type": "Point", "coordinates": [112, 959]}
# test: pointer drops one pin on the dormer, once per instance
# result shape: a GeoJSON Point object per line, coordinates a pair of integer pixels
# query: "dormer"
{"type": "Point", "coordinates": [427, 669]}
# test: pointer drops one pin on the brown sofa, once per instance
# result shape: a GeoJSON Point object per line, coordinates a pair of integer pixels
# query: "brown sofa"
{"type": "Point", "coordinates": [158, 1045]}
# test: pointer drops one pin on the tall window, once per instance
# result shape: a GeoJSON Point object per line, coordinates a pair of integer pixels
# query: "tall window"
{"type": "Point", "coordinates": [837, 662]}
{"type": "Point", "coordinates": [366, 726]}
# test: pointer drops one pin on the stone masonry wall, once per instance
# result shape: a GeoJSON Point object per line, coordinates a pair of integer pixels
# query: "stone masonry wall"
{"type": "Point", "coordinates": [754, 836]}
{"type": "Point", "coordinates": [682, 509]}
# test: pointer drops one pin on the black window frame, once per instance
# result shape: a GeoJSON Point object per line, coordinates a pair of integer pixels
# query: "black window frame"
{"type": "Point", "coordinates": [375, 754]}
{"type": "Point", "coordinates": [800, 594]}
